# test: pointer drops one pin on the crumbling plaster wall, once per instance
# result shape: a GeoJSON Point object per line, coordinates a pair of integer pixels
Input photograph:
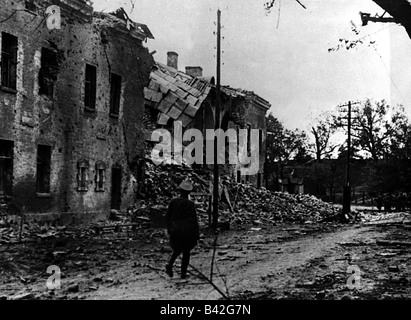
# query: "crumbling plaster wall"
{"type": "Point", "coordinates": [247, 112]}
{"type": "Point", "coordinates": [62, 122]}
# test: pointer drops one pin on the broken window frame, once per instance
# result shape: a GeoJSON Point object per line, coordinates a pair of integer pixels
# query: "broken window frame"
{"type": "Point", "coordinates": [248, 140]}
{"type": "Point", "coordinates": [100, 177]}
{"type": "Point", "coordinates": [259, 180]}
{"type": "Point", "coordinates": [9, 48]}
{"type": "Point", "coordinates": [82, 175]}
{"type": "Point", "coordinates": [48, 72]}
{"type": "Point", "coordinates": [237, 129]}
{"type": "Point", "coordinates": [260, 141]}
{"type": "Point", "coordinates": [6, 168]}
{"type": "Point", "coordinates": [115, 94]}
{"type": "Point", "coordinates": [43, 169]}
{"type": "Point", "coordinates": [90, 87]}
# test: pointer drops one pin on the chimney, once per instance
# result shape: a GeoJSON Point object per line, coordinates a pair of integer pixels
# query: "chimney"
{"type": "Point", "coordinates": [172, 59]}
{"type": "Point", "coordinates": [194, 71]}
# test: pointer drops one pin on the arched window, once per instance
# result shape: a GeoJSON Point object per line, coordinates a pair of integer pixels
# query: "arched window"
{"type": "Point", "coordinates": [82, 175]}
{"type": "Point", "coordinates": [100, 177]}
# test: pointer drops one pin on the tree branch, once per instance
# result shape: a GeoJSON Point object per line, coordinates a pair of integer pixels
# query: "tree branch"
{"type": "Point", "coordinates": [301, 4]}
{"type": "Point", "coordinates": [9, 17]}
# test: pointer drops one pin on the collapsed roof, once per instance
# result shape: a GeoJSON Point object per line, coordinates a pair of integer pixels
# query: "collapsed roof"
{"type": "Point", "coordinates": [120, 21]}
{"type": "Point", "coordinates": [175, 94]}
{"type": "Point", "coordinates": [178, 96]}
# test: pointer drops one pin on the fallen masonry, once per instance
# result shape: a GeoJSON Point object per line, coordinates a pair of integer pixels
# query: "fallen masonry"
{"type": "Point", "coordinates": [239, 202]}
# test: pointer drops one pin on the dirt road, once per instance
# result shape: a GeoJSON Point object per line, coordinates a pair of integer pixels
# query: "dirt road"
{"type": "Point", "coordinates": [310, 261]}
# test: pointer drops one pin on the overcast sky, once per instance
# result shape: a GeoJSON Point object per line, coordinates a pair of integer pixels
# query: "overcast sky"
{"type": "Point", "coordinates": [283, 56]}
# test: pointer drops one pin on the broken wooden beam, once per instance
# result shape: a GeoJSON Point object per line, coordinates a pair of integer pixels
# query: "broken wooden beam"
{"type": "Point", "coordinates": [227, 197]}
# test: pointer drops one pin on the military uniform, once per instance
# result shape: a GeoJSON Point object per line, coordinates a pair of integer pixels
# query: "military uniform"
{"type": "Point", "coordinates": [182, 224]}
{"type": "Point", "coordinates": [182, 227]}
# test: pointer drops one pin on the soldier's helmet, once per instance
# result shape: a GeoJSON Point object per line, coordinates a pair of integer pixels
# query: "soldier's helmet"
{"type": "Point", "coordinates": [186, 185]}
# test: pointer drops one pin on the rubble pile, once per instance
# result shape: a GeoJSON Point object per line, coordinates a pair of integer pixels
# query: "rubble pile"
{"type": "Point", "coordinates": [12, 231]}
{"type": "Point", "coordinates": [239, 202]}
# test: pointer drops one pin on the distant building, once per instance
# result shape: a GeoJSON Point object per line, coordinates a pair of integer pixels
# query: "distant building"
{"type": "Point", "coordinates": [291, 184]}
{"type": "Point", "coordinates": [71, 106]}
{"type": "Point", "coordinates": [189, 97]}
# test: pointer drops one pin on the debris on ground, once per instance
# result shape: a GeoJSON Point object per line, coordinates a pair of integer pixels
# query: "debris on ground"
{"type": "Point", "coordinates": [239, 202]}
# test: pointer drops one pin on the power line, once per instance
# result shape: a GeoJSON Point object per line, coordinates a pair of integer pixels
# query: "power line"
{"type": "Point", "coordinates": [378, 31]}
{"type": "Point", "coordinates": [279, 13]}
{"type": "Point", "coordinates": [388, 71]}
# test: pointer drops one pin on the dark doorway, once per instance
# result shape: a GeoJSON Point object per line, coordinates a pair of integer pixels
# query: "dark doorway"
{"type": "Point", "coordinates": [6, 168]}
{"type": "Point", "coordinates": [43, 168]}
{"type": "Point", "coordinates": [290, 187]}
{"type": "Point", "coordinates": [116, 188]}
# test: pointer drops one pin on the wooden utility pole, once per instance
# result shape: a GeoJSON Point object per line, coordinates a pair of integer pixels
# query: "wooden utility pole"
{"type": "Point", "coordinates": [347, 187]}
{"type": "Point", "coordinates": [217, 124]}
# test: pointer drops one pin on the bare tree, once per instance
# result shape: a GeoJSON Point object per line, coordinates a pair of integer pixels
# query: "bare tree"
{"type": "Point", "coordinates": [322, 131]}
{"type": "Point", "coordinates": [270, 4]}
{"type": "Point", "coordinates": [377, 128]}
{"type": "Point", "coordinates": [400, 10]}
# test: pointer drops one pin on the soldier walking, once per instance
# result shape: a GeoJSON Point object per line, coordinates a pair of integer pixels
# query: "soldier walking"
{"type": "Point", "coordinates": [182, 227]}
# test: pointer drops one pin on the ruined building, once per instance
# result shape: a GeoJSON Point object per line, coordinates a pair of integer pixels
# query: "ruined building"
{"type": "Point", "coordinates": [71, 104]}
{"type": "Point", "coordinates": [189, 97]}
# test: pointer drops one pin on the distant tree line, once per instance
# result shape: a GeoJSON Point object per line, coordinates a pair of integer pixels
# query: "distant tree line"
{"type": "Point", "coordinates": [380, 138]}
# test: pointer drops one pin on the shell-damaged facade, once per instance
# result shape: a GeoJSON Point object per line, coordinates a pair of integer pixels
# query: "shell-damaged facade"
{"type": "Point", "coordinates": [71, 106]}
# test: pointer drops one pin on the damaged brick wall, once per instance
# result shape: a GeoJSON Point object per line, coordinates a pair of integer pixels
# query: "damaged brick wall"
{"type": "Point", "coordinates": [250, 113]}
{"type": "Point", "coordinates": [79, 137]}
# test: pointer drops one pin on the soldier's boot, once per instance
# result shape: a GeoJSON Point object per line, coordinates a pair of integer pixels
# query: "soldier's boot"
{"type": "Point", "coordinates": [169, 270]}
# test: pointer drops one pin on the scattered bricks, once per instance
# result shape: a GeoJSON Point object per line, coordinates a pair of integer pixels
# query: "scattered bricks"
{"type": "Point", "coordinates": [114, 215]}
{"type": "Point", "coordinates": [250, 205]}
{"type": "Point", "coordinates": [73, 288]}
{"type": "Point", "coordinates": [224, 225]}
{"type": "Point", "coordinates": [98, 279]}
{"type": "Point", "coordinates": [307, 284]}
{"type": "Point", "coordinates": [320, 295]}
{"type": "Point", "coordinates": [115, 227]}
{"type": "Point", "coordinates": [165, 250]}
{"type": "Point", "coordinates": [393, 243]}
{"type": "Point", "coordinates": [393, 269]}
{"type": "Point", "coordinates": [23, 296]}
